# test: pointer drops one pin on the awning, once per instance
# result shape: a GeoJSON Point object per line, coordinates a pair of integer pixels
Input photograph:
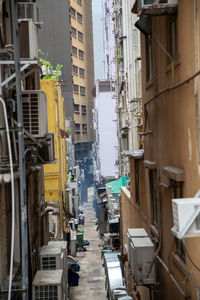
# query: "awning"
{"type": "Point", "coordinates": [117, 184]}
{"type": "Point", "coordinates": [63, 134]}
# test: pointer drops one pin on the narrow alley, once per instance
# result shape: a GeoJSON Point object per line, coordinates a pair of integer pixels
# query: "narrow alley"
{"type": "Point", "coordinates": [92, 277]}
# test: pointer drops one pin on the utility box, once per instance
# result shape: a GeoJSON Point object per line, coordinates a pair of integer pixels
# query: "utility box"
{"type": "Point", "coordinates": [142, 253]}
{"type": "Point", "coordinates": [48, 285]}
{"type": "Point", "coordinates": [134, 233]}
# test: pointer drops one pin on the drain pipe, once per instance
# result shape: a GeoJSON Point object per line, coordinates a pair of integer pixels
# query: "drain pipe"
{"type": "Point", "coordinates": [12, 199]}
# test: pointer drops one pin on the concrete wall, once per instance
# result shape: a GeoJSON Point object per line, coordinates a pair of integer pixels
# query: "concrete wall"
{"type": "Point", "coordinates": [171, 139]}
{"type": "Point", "coordinates": [54, 40]}
{"type": "Point", "coordinates": [55, 174]}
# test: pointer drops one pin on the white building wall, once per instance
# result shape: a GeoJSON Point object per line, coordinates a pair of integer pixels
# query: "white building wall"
{"type": "Point", "coordinates": [132, 68]}
{"type": "Point", "coordinates": [106, 131]}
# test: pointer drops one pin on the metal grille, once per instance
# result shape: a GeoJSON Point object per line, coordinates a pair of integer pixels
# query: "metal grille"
{"type": "Point", "coordinates": [31, 113]}
{"type": "Point", "coordinates": [49, 263]}
{"type": "Point", "coordinates": [46, 292]}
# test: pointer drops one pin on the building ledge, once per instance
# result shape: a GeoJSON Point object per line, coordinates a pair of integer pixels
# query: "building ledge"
{"type": "Point", "coordinates": [150, 164]}
{"type": "Point", "coordinates": [174, 173]}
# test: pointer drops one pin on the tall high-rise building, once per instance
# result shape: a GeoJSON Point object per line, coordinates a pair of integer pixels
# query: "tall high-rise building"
{"type": "Point", "coordinates": [83, 84]}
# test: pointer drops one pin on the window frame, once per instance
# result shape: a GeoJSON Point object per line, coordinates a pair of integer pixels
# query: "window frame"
{"type": "Point", "coordinates": [137, 181]}
{"type": "Point", "coordinates": [82, 75]}
{"type": "Point", "coordinates": [74, 53]}
{"type": "Point", "coordinates": [74, 90]}
{"type": "Point", "coordinates": [81, 17]}
{"type": "Point", "coordinates": [72, 28]}
{"type": "Point", "coordinates": [70, 11]}
{"type": "Point", "coordinates": [153, 186]}
{"type": "Point", "coordinates": [80, 51]}
{"type": "Point", "coordinates": [80, 34]}
{"type": "Point", "coordinates": [81, 93]}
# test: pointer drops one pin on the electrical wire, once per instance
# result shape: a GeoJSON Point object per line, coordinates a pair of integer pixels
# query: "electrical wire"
{"type": "Point", "coordinates": [12, 197]}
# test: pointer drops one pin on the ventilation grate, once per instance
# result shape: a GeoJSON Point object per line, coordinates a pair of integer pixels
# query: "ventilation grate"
{"type": "Point", "coordinates": [31, 113]}
{"type": "Point", "coordinates": [46, 292]}
{"type": "Point", "coordinates": [49, 263]}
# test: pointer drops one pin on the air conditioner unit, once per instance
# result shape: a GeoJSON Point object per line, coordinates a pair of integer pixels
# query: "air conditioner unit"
{"type": "Point", "coordinates": [157, 7]}
{"type": "Point", "coordinates": [186, 215]}
{"type": "Point", "coordinates": [28, 40]}
{"type": "Point", "coordinates": [63, 246]}
{"type": "Point", "coordinates": [47, 285]}
{"type": "Point", "coordinates": [28, 10]}
{"type": "Point", "coordinates": [51, 258]}
{"type": "Point", "coordinates": [47, 152]}
{"type": "Point", "coordinates": [34, 106]}
{"type": "Point", "coordinates": [142, 257]}
{"type": "Point", "coordinates": [134, 233]}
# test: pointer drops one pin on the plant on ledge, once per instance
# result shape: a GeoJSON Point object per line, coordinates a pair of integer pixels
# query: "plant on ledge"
{"type": "Point", "coordinates": [48, 70]}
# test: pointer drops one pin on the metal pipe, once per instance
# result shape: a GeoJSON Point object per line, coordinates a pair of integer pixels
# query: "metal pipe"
{"type": "Point", "coordinates": [22, 167]}
{"type": "Point", "coordinates": [12, 198]}
{"type": "Point", "coordinates": [171, 276]}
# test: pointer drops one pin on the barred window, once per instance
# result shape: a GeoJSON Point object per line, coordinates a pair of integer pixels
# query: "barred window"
{"type": "Point", "coordinates": [80, 35]}
{"type": "Point", "coordinates": [73, 31]}
{"type": "Point", "coordinates": [76, 88]}
{"type": "Point", "coordinates": [81, 53]}
{"type": "Point", "coordinates": [76, 108]}
{"type": "Point", "coordinates": [84, 128]}
{"type": "Point", "coordinates": [72, 12]}
{"type": "Point", "coordinates": [81, 72]}
{"type": "Point", "coordinates": [75, 69]}
{"type": "Point", "coordinates": [82, 90]}
{"type": "Point", "coordinates": [83, 109]}
{"type": "Point", "coordinates": [79, 17]}
{"type": "Point", "coordinates": [77, 127]}
{"type": "Point", "coordinates": [74, 50]}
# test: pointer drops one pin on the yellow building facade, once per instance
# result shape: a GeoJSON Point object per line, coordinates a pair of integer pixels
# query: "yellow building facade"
{"type": "Point", "coordinates": [55, 175]}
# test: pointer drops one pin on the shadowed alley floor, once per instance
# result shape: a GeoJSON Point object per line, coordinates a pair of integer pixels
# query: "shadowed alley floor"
{"type": "Point", "coordinates": [92, 277]}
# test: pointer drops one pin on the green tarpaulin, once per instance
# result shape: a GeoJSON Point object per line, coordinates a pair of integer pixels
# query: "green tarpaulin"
{"type": "Point", "coordinates": [117, 184]}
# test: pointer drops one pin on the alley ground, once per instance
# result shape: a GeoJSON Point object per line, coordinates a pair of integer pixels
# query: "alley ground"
{"type": "Point", "coordinates": [92, 277]}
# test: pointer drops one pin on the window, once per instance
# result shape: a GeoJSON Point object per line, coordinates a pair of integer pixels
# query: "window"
{"type": "Point", "coordinates": [73, 31]}
{"type": "Point", "coordinates": [75, 69]}
{"type": "Point", "coordinates": [149, 57]}
{"type": "Point", "coordinates": [72, 12]}
{"type": "Point", "coordinates": [83, 109]}
{"type": "Point", "coordinates": [173, 39]}
{"type": "Point", "coordinates": [81, 72]}
{"type": "Point", "coordinates": [81, 54]}
{"type": "Point", "coordinates": [82, 90]}
{"type": "Point", "coordinates": [79, 17]}
{"type": "Point", "coordinates": [76, 108]}
{"type": "Point", "coordinates": [177, 192]}
{"type": "Point", "coordinates": [79, 1]}
{"type": "Point", "coordinates": [74, 50]}
{"type": "Point", "coordinates": [77, 128]}
{"type": "Point", "coordinates": [80, 35]}
{"type": "Point", "coordinates": [84, 128]}
{"type": "Point", "coordinates": [153, 195]}
{"type": "Point", "coordinates": [137, 167]}
{"type": "Point", "coordinates": [75, 88]}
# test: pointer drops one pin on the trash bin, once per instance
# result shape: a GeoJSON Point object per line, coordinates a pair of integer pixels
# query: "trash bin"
{"type": "Point", "coordinates": [80, 241]}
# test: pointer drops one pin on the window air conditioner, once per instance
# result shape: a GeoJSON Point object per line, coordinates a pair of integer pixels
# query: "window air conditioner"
{"type": "Point", "coordinates": [134, 233]}
{"type": "Point", "coordinates": [47, 285]}
{"type": "Point", "coordinates": [186, 215]}
{"type": "Point", "coordinates": [157, 7]}
{"type": "Point", "coordinates": [28, 10]}
{"type": "Point", "coordinates": [51, 258]}
{"type": "Point", "coordinates": [28, 40]}
{"type": "Point", "coordinates": [142, 256]}
{"type": "Point", "coordinates": [47, 152]}
{"type": "Point", "coordinates": [34, 106]}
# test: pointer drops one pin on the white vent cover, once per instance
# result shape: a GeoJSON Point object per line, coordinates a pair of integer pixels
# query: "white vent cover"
{"type": "Point", "coordinates": [34, 106]}
{"type": "Point", "coordinates": [50, 258]}
{"type": "Point", "coordinates": [186, 217]}
{"type": "Point", "coordinates": [47, 285]}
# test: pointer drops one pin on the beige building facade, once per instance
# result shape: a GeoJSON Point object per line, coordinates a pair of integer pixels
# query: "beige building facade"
{"type": "Point", "coordinates": [169, 166]}
{"type": "Point", "coordinates": [82, 68]}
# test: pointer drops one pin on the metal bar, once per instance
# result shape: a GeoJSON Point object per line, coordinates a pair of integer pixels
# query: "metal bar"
{"type": "Point", "coordinates": [13, 76]}
{"type": "Point", "coordinates": [22, 62]}
{"type": "Point", "coordinates": [22, 170]}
